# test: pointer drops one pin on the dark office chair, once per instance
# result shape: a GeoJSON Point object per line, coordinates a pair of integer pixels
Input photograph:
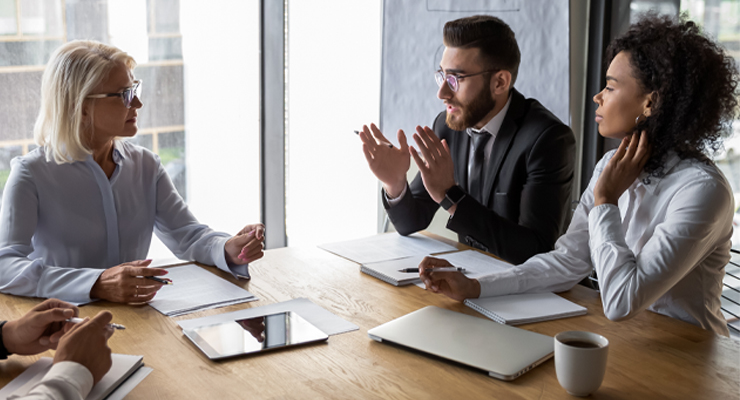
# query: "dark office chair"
{"type": "Point", "coordinates": [731, 294]}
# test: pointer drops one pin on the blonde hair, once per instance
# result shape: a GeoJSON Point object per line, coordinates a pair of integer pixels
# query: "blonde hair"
{"type": "Point", "coordinates": [73, 72]}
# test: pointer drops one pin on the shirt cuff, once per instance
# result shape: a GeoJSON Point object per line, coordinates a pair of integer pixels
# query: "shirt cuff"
{"type": "Point", "coordinates": [219, 256]}
{"type": "Point", "coordinates": [66, 378]}
{"type": "Point", "coordinates": [604, 225]}
{"type": "Point", "coordinates": [499, 284]}
{"type": "Point", "coordinates": [392, 202]}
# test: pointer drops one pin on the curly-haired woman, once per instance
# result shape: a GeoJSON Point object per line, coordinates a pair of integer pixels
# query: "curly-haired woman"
{"type": "Point", "coordinates": [656, 219]}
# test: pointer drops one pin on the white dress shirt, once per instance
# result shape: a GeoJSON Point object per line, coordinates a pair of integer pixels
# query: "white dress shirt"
{"type": "Point", "coordinates": [63, 225]}
{"type": "Point", "coordinates": [663, 248]}
{"type": "Point", "coordinates": [65, 380]}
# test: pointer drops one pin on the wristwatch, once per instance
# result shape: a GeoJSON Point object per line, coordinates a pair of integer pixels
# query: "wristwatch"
{"type": "Point", "coordinates": [453, 196]}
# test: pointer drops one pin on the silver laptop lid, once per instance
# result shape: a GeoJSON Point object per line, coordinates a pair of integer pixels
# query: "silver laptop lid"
{"type": "Point", "coordinates": [505, 352]}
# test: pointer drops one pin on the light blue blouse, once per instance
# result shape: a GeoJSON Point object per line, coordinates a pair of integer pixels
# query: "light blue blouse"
{"type": "Point", "coordinates": [62, 225]}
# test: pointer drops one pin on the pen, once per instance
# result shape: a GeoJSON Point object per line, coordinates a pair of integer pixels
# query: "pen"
{"type": "Point", "coordinates": [389, 144]}
{"type": "Point", "coordinates": [441, 269]}
{"type": "Point", "coordinates": [76, 320]}
{"type": "Point", "coordinates": [160, 280]}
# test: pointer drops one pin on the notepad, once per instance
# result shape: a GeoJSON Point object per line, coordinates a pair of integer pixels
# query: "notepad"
{"type": "Point", "coordinates": [123, 367]}
{"type": "Point", "coordinates": [520, 309]}
{"type": "Point", "coordinates": [388, 271]}
{"type": "Point", "coordinates": [195, 289]}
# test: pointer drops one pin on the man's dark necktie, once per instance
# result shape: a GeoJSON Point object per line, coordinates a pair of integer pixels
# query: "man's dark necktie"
{"type": "Point", "coordinates": [475, 181]}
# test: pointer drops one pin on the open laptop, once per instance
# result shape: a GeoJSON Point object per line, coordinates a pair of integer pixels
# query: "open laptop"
{"type": "Point", "coordinates": [505, 352]}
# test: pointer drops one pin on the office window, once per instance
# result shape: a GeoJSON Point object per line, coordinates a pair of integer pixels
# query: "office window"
{"type": "Point", "coordinates": [199, 63]}
{"type": "Point", "coordinates": [333, 81]}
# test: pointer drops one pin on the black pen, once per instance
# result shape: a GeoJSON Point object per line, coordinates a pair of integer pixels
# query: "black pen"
{"type": "Point", "coordinates": [440, 269]}
{"type": "Point", "coordinates": [389, 144]}
{"type": "Point", "coordinates": [162, 281]}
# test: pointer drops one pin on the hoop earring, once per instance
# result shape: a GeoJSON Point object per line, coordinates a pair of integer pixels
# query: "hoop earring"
{"type": "Point", "coordinates": [640, 119]}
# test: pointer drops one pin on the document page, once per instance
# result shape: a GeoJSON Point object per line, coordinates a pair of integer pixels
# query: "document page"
{"type": "Point", "coordinates": [194, 289]}
{"type": "Point", "coordinates": [387, 246]}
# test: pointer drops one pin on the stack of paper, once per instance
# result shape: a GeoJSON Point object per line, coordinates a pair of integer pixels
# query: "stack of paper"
{"type": "Point", "coordinates": [196, 289]}
{"type": "Point", "coordinates": [519, 309]}
{"type": "Point", "coordinates": [389, 246]}
{"type": "Point", "coordinates": [125, 373]}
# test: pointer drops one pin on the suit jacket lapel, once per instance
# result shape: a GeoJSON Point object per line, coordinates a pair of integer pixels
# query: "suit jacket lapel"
{"type": "Point", "coordinates": [501, 146]}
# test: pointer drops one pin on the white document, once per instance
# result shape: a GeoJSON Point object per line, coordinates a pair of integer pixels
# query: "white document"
{"type": "Point", "coordinates": [389, 246]}
{"type": "Point", "coordinates": [123, 366]}
{"type": "Point", "coordinates": [476, 264]}
{"type": "Point", "coordinates": [196, 289]}
{"type": "Point", "coordinates": [318, 316]}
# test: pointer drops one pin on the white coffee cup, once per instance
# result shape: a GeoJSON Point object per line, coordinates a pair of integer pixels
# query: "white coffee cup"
{"type": "Point", "coordinates": [580, 361]}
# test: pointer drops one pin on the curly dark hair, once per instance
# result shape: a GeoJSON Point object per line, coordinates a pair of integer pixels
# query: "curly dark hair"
{"type": "Point", "coordinates": [696, 84]}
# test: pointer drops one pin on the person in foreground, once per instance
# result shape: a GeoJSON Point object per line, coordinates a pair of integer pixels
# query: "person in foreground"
{"type": "Point", "coordinates": [656, 219]}
{"type": "Point", "coordinates": [500, 164]}
{"type": "Point", "coordinates": [82, 354]}
{"type": "Point", "coordinates": [78, 212]}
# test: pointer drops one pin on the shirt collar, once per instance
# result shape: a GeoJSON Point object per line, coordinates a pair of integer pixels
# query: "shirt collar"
{"type": "Point", "coordinates": [495, 123]}
{"type": "Point", "coordinates": [672, 160]}
{"type": "Point", "coordinates": [118, 154]}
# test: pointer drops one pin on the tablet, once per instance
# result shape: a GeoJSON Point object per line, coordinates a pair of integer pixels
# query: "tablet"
{"type": "Point", "coordinates": [254, 335]}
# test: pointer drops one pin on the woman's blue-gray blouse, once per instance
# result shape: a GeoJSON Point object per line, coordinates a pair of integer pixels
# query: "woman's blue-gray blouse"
{"type": "Point", "coordinates": [62, 225]}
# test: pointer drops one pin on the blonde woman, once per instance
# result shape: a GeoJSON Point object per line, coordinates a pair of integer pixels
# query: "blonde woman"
{"type": "Point", "coordinates": [79, 211]}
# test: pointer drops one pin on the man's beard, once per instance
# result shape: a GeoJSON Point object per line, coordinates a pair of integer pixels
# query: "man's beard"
{"type": "Point", "coordinates": [474, 111]}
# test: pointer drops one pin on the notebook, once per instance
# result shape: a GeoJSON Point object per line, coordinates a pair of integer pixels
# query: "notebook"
{"type": "Point", "coordinates": [504, 352]}
{"type": "Point", "coordinates": [519, 309]}
{"type": "Point", "coordinates": [388, 271]}
{"type": "Point", "coordinates": [123, 367]}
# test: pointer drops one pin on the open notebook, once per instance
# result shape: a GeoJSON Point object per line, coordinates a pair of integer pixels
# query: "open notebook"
{"type": "Point", "coordinates": [519, 309]}
{"type": "Point", "coordinates": [124, 366]}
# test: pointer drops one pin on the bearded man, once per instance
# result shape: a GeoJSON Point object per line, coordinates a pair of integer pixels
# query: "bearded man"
{"type": "Point", "coordinates": [501, 165]}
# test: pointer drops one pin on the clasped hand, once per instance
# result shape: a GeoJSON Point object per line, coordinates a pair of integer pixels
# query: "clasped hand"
{"type": "Point", "coordinates": [622, 170]}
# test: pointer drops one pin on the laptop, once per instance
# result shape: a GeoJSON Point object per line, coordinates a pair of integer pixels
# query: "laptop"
{"type": "Point", "coordinates": [503, 351]}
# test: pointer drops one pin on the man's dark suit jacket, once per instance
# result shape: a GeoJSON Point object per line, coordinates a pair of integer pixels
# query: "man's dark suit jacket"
{"type": "Point", "coordinates": [527, 186]}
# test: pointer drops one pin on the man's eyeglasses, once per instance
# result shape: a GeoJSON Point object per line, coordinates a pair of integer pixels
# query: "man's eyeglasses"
{"type": "Point", "coordinates": [127, 96]}
{"type": "Point", "coordinates": [453, 81]}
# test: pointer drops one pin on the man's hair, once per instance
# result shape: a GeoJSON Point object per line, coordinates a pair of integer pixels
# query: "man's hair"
{"type": "Point", "coordinates": [695, 82]}
{"type": "Point", "coordinates": [73, 72]}
{"type": "Point", "coordinates": [494, 38]}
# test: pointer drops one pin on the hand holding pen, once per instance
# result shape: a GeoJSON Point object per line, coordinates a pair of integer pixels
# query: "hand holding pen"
{"type": "Point", "coordinates": [439, 276]}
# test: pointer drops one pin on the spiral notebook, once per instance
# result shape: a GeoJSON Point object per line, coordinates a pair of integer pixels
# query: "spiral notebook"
{"type": "Point", "coordinates": [520, 309]}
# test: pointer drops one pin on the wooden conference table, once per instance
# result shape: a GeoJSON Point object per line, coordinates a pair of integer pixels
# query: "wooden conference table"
{"type": "Point", "coordinates": [651, 356]}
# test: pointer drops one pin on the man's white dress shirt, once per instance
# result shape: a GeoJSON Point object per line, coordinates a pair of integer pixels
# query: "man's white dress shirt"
{"type": "Point", "coordinates": [664, 248]}
{"type": "Point", "coordinates": [64, 224]}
